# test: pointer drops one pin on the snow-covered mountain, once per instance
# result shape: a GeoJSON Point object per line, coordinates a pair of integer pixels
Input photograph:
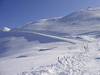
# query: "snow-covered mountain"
{"type": "Point", "coordinates": [68, 45]}
{"type": "Point", "coordinates": [83, 21]}
{"type": "Point", "coordinates": [5, 29]}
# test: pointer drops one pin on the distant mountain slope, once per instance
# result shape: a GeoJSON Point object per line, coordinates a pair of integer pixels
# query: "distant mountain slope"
{"type": "Point", "coordinates": [79, 22]}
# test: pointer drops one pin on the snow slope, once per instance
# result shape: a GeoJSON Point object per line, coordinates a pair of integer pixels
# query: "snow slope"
{"type": "Point", "coordinates": [83, 60]}
{"type": "Point", "coordinates": [59, 58]}
{"type": "Point", "coordinates": [67, 45]}
{"type": "Point", "coordinates": [83, 21]}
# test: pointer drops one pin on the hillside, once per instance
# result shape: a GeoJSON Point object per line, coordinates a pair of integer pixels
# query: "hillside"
{"type": "Point", "coordinates": [80, 22]}
{"type": "Point", "coordinates": [68, 45]}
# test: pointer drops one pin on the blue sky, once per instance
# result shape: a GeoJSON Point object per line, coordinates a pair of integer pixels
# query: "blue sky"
{"type": "Point", "coordinates": [14, 13]}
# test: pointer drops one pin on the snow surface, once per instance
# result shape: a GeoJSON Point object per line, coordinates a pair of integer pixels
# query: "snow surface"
{"type": "Point", "coordinates": [67, 45]}
{"type": "Point", "coordinates": [5, 29]}
{"type": "Point", "coordinates": [80, 22]}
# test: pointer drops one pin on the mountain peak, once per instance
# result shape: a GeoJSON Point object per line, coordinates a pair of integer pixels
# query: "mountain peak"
{"type": "Point", "coordinates": [82, 21]}
{"type": "Point", "coordinates": [5, 29]}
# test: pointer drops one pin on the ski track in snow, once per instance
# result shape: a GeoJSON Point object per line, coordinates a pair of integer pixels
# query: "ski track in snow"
{"type": "Point", "coordinates": [79, 61]}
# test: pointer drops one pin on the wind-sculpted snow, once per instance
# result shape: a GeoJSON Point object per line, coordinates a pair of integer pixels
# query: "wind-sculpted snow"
{"type": "Point", "coordinates": [29, 36]}
{"type": "Point", "coordinates": [80, 61]}
{"type": "Point", "coordinates": [13, 45]}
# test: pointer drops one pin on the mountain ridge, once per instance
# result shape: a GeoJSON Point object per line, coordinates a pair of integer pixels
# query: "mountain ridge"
{"type": "Point", "coordinates": [86, 20]}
